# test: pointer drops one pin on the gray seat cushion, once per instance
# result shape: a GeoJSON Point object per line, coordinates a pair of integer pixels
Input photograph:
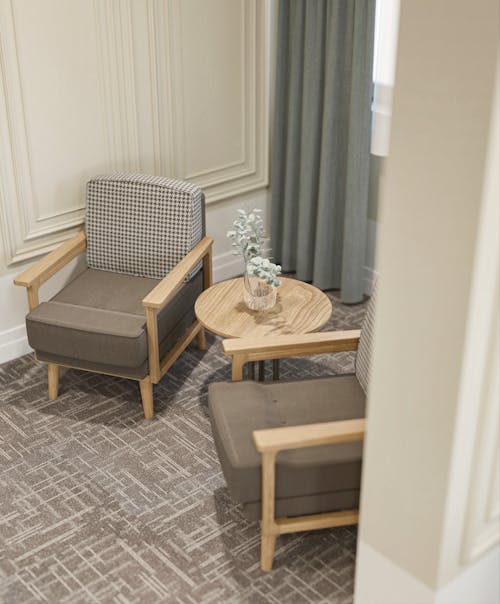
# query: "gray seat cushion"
{"type": "Point", "coordinates": [98, 322]}
{"type": "Point", "coordinates": [88, 334]}
{"type": "Point", "coordinates": [239, 408]}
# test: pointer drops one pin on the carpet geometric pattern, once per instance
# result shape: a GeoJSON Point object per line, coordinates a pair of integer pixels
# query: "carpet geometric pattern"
{"type": "Point", "coordinates": [99, 505]}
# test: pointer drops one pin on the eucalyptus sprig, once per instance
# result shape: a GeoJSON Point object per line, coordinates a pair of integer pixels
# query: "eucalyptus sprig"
{"type": "Point", "coordinates": [248, 240]}
{"type": "Point", "coordinates": [264, 269]}
{"type": "Point", "coordinates": [248, 234]}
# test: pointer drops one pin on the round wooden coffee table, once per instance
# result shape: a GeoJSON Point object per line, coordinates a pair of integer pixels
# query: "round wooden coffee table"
{"type": "Point", "coordinates": [300, 308]}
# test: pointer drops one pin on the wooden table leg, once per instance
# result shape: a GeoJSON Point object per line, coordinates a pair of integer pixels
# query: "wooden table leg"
{"type": "Point", "coordinates": [251, 370]}
{"type": "Point", "coordinates": [276, 370]}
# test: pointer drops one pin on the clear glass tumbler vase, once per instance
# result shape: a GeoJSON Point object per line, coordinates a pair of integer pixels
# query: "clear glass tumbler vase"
{"type": "Point", "coordinates": [259, 294]}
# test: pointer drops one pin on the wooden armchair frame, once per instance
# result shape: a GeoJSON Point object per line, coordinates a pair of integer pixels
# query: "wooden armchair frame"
{"type": "Point", "coordinates": [247, 350]}
{"type": "Point", "coordinates": [33, 277]}
{"type": "Point", "coordinates": [271, 441]}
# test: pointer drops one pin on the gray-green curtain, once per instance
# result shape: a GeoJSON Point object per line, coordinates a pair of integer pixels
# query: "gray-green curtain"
{"type": "Point", "coordinates": [321, 142]}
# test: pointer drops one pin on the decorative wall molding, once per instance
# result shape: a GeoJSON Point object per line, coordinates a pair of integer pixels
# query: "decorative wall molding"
{"type": "Point", "coordinates": [159, 14]}
{"type": "Point", "coordinates": [16, 195]}
{"type": "Point", "coordinates": [245, 164]}
{"type": "Point", "coordinates": [144, 60]}
{"type": "Point", "coordinates": [481, 381]}
{"type": "Point", "coordinates": [118, 86]}
{"type": "Point", "coordinates": [245, 172]}
{"type": "Point", "coordinates": [482, 523]}
{"type": "Point", "coordinates": [482, 529]}
{"type": "Point", "coordinates": [472, 514]}
{"type": "Point", "coordinates": [27, 229]}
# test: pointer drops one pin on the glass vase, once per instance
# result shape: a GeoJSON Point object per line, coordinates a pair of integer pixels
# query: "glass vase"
{"type": "Point", "coordinates": [259, 294]}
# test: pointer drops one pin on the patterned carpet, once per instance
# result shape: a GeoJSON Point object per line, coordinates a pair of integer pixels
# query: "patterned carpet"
{"type": "Point", "coordinates": [98, 505]}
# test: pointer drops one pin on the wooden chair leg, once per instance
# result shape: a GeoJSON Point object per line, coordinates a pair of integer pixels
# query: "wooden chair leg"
{"type": "Point", "coordinates": [147, 397]}
{"type": "Point", "coordinates": [268, 524]}
{"type": "Point", "coordinates": [268, 543]}
{"type": "Point", "coordinates": [201, 340]}
{"type": "Point", "coordinates": [237, 368]}
{"type": "Point", "coordinates": [53, 380]}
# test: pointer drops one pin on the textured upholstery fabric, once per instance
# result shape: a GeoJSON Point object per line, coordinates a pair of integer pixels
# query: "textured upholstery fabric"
{"type": "Point", "coordinates": [107, 290]}
{"type": "Point", "coordinates": [364, 354]}
{"type": "Point", "coordinates": [317, 503]}
{"type": "Point", "coordinates": [88, 334]}
{"type": "Point", "coordinates": [239, 408]}
{"type": "Point", "coordinates": [98, 321]}
{"type": "Point", "coordinates": [142, 225]}
{"type": "Point", "coordinates": [131, 372]}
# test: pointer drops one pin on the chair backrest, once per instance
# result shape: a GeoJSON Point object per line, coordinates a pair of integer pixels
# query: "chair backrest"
{"type": "Point", "coordinates": [363, 357]}
{"type": "Point", "coordinates": [142, 225]}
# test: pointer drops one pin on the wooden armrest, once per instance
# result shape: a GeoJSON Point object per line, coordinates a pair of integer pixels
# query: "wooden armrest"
{"type": "Point", "coordinates": [159, 297]}
{"type": "Point", "coordinates": [42, 270]}
{"type": "Point", "coordinates": [275, 347]}
{"type": "Point", "coordinates": [165, 290]}
{"type": "Point", "coordinates": [308, 435]}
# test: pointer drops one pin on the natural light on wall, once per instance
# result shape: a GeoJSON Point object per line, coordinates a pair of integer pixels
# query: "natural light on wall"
{"type": "Point", "coordinates": [384, 67]}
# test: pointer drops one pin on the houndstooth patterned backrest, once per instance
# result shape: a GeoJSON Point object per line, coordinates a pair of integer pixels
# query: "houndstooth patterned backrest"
{"type": "Point", "coordinates": [142, 225]}
{"type": "Point", "coordinates": [363, 357]}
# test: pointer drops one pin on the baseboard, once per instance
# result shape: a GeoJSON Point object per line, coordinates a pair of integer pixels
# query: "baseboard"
{"type": "Point", "coordinates": [13, 343]}
{"type": "Point", "coordinates": [226, 266]}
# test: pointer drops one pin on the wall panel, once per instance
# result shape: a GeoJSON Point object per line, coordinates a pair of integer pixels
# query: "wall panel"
{"type": "Point", "coordinates": [171, 87]}
{"type": "Point", "coordinates": [211, 102]}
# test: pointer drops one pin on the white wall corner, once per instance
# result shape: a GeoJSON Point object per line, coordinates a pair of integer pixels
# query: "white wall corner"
{"type": "Point", "coordinates": [384, 582]}
{"type": "Point", "coordinates": [13, 343]}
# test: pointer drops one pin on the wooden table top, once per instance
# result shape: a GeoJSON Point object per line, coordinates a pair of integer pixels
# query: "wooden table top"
{"type": "Point", "coordinates": [300, 308]}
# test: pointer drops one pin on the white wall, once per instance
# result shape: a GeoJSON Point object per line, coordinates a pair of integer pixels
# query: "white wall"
{"type": "Point", "coordinates": [430, 512]}
{"type": "Point", "coordinates": [171, 87]}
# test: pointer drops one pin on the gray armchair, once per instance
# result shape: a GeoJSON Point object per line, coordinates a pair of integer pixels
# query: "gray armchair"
{"type": "Point", "coordinates": [291, 451]}
{"type": "Point", "coordinates": [130, 313]}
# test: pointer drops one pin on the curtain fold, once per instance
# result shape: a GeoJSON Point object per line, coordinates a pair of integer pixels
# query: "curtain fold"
{"type": "Point", "coordinates": [320, 163]}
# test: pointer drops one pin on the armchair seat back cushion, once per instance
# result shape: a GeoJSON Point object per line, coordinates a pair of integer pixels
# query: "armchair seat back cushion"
{"type": "Point", "coordinates": [307, 480]}
{"type": "Point", "coordinates": [142, 225]}
{"type": "Point", "coordinates": [98, 322]}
